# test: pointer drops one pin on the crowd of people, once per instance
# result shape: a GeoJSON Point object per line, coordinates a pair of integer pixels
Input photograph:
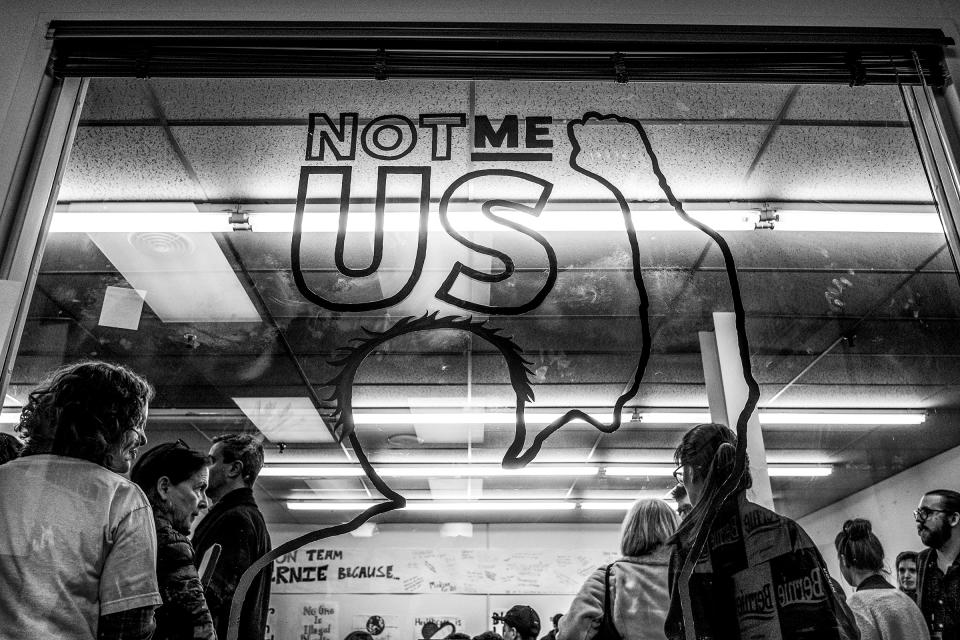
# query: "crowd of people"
{"type": "Point", "coordinates": [87, 553]}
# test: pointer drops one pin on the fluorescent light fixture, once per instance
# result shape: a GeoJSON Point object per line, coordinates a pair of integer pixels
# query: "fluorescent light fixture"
{"type": "Point", "coordinates": [10, 401]}
{"type": "Point", "coordinates": [606, 505]}
{"type": "Point", "coordinates": [534, 470]}
{"type": "Point", "coordinates": [427, 471]}
{"type": "Point", "coordinates": [162, 217]}
{"type": "Point", "coordinates": [326, 505]}
{"type": "Point", "coordinates": [503, 417]}
{"type": "Point", "coordinates": [438, 505]}
{"type": "Point", "coordinates": [809, 416]}
{"type": "Point", "coordinates": [672, 417]}
{"type": "Point", "coordinates": [842, 418]}
{"type": "Point", "coordinates": [9, 417]}
{"type": "Point", "coordinates": [286, 419]}
{"type": "Point", "coordinates": [858, 221]}
{"type": "Point", "coordinates": [664, 470]}
{"type": "Point", "coordinates": [139, 222]}
{"type": "Point", "coordinates": [808, 471]}
{"type": "Point", "coordinates": [773, 470]}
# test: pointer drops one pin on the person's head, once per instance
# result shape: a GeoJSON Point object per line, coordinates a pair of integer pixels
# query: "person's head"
{"type": "Point", "coordinates": [705, 459]}
{"type": "Point", "coordinates": [457, 635]}
{"type": "Point", "coordinates": [555, 620]}
{"type": "Point", "coordinates": [94, 411]}
{"type": "Point", "coordinates": [679, 494]}
{"type": "Point", "coordinates": [10, 447]}
{"type": "Point", "coordinates": [174, 477]}
{"type": "Point", "coordinates": [937, 515]}
{"type": "Point", "coordinates": [488, 635]}
{"type": "Point", "coordinates": [237, 460]}
{"type": "Point", "coordinates": [907, 570]}
{"type": "Point", "coordinates": [521, 622]}
{"type": "Point", "coordinates": [358, 635]}
{"type": "Point", "coordinates": [858, 550]}
{"type": "Point", "coordinates": [649, 523]}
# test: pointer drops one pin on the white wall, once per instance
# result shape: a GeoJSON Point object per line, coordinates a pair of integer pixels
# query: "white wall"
{"type": "Point", "coordinates": [472, 609]}
{"type": "Point", "coordinates": [888, 505]}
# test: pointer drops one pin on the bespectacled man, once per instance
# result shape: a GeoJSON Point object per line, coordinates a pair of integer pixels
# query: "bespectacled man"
{"type": "Point", "coordinates": [938, 572]}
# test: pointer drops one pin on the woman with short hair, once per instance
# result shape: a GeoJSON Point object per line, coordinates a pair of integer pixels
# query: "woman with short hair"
{"type": "Point", "coordinates": [632, 592]}
{"type": "Point", "coordinates": [882, 611]}
{"type": "Point", "coordinates": [175, 477]}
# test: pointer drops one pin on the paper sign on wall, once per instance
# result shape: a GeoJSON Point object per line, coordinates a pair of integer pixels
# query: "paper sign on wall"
{"type": "Point", "coordinates": [319, 570]}
{"type": "Point", "coordinates": [306, 619]}
{"type": "Point", "coordinates": [436, 627]}
{"type": "Point", "coordinates": [122, 308]}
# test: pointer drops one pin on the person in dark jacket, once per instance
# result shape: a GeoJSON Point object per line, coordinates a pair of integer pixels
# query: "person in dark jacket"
{"type": "Point", "coordinates": [760, 576]}
{"type": "Point", "coordinates": [236, 524]}
{"type": "Point", "coordinates": [174, 477]}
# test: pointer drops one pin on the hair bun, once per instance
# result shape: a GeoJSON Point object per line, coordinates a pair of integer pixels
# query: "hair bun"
{"type": "Point", "coordinates": [857, 529]}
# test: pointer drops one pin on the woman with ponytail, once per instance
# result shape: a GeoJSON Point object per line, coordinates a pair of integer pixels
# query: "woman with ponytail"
{"type": "Point", "coordinates": [758, 574]}
{"type": "Point", "coordinates": [882, 611]}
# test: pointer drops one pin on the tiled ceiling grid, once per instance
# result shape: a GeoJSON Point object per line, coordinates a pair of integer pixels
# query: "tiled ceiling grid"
{"type": "Point", "coordinates": [229, 142]}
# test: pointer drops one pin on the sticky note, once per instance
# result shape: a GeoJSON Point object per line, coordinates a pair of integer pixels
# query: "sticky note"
{"type": "Point", "coordinates": [122, 308]}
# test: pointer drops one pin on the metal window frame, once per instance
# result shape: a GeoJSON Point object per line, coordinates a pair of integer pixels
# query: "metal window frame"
{"type": "Point", "coordinates": [501, 51]}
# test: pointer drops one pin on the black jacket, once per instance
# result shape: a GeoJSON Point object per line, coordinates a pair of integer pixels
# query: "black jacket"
{"type": "Point", "coordinates": [184, 614]}
{"type": "Point", "coordinates": [236, 524]}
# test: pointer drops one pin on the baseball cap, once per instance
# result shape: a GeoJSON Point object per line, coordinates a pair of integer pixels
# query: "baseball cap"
{"type": "Point", "coordinates": [524, 619]}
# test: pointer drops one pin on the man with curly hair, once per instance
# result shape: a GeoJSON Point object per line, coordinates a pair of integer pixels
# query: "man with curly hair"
{"type": "Point", "coordinates": [77, 543]}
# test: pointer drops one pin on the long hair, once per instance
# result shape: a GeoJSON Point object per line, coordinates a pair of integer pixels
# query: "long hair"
{"type": "Point", "coordinates": [83, 409]}
{"type": "Point", "coordinates": [710, 449]}
{"type": "Point", "coordinates": [648, 524]}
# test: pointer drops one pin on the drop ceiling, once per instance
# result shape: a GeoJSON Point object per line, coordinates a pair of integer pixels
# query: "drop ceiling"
{"type": "Point", "coordinates": [836, 319]}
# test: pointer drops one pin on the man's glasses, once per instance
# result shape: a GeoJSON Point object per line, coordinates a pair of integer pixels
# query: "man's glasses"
{"type": "Point", "coordinates": [921, 514]}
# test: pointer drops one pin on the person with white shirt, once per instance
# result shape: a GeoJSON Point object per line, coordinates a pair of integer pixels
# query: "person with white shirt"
{"type": "Point", "coordinates": [77, 543]}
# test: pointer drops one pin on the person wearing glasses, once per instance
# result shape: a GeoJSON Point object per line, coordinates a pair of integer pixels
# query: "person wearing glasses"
{"type": "Point", "coordinates": [882, 611]}
{"type": "Point", "coordinates": [938, 571]}
{"type": "Point", "coordinates": [759, 574]}
{"type": "Point", "coordinates": [174, 477]}
{"type": "Point", "coordinates": [77, 544]}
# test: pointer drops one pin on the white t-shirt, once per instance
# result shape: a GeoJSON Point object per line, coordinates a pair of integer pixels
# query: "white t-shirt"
{"type": "Point", "coordinates": [77, 541]}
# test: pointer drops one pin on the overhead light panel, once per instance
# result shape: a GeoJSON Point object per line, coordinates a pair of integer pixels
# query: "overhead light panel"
{"type": "Point", "coordinates": [427, 471]}
{"type": "Point", "coordinates": [438, 505]}
{"type": "Point", "coordinates": [158, 217]}
{"type": "Point", "coordinates": [285, 419]}
{"type": "Point", "coordinates": [808, 471]}
{"type": "Point", "coordinates": [842, 417]}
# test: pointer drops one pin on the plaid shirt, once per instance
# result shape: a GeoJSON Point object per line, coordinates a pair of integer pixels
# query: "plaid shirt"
{"type": "Point", "coordinates": [132, 624]}
{"type": "Point", "coordinates": [938, 595]}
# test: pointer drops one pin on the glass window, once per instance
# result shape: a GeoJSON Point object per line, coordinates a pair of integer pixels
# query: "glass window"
{"type": "Point", "coordinates": [504, 287]}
